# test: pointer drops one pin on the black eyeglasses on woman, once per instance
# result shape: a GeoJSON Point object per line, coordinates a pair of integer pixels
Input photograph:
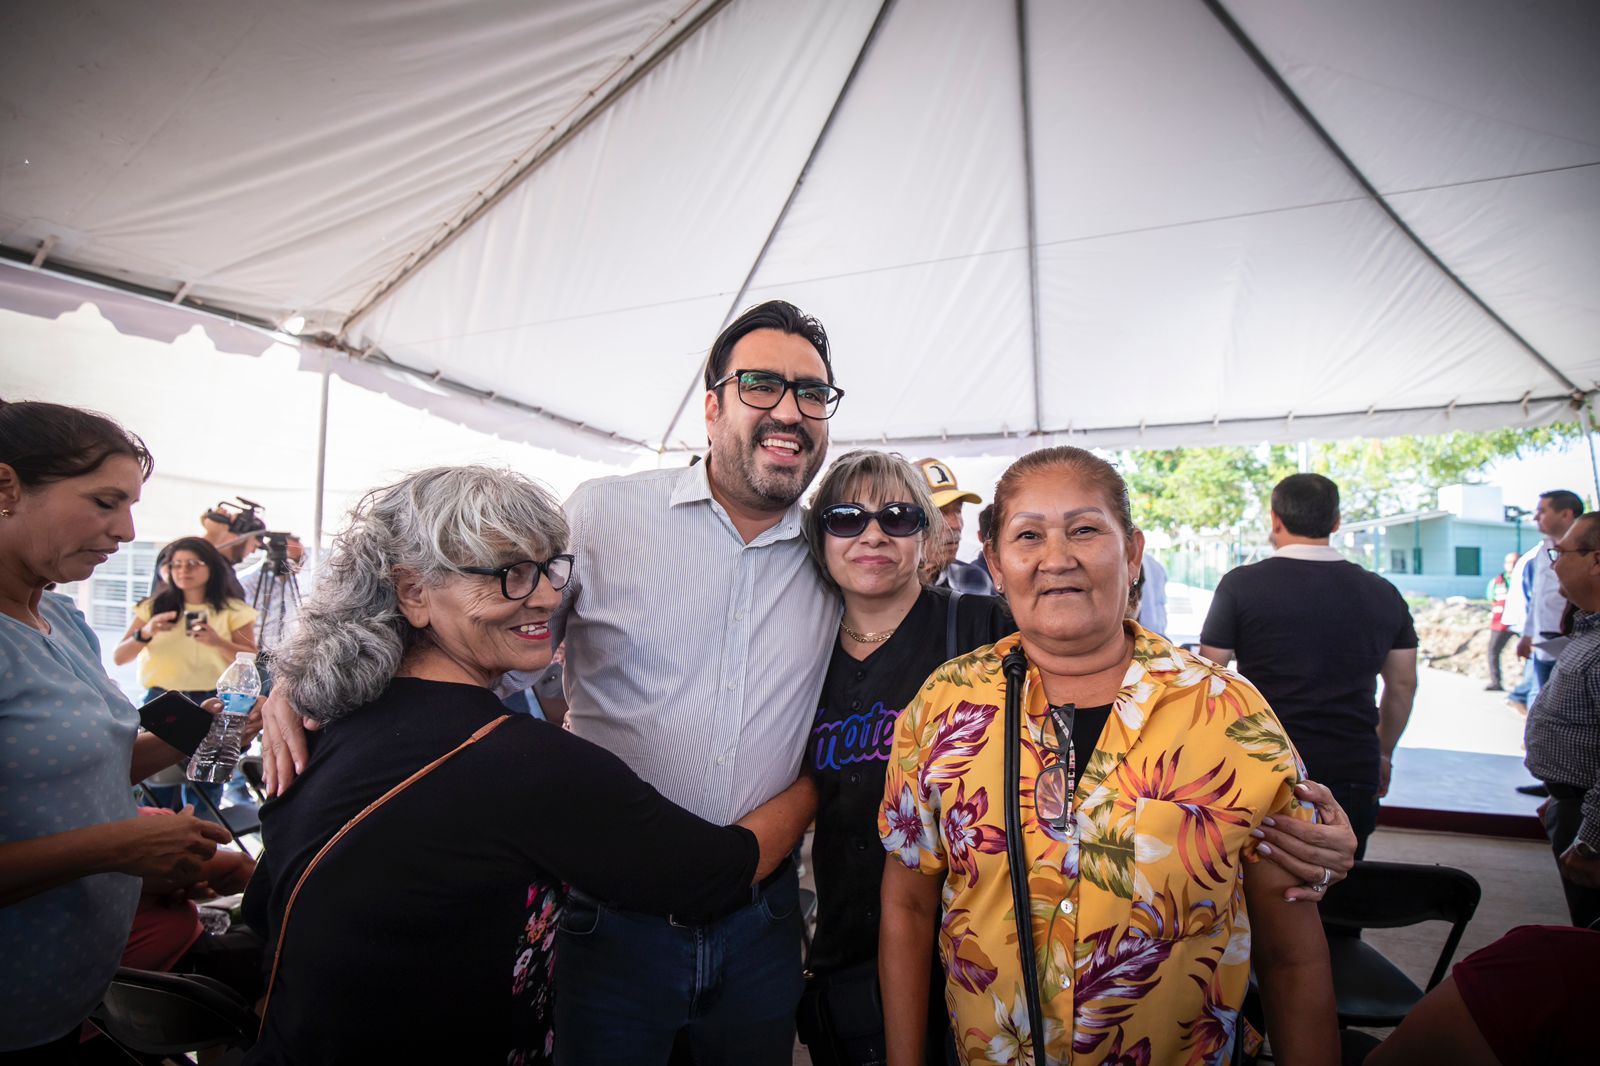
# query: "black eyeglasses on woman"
{"type": "Point", "coordinates": [519, 579]}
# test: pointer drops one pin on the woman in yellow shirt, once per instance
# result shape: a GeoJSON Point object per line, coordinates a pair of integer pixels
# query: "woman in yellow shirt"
{"type": "Point", "coordinates": [1142, 774]}
{"type": "Point", "coordinates": [188, 632]}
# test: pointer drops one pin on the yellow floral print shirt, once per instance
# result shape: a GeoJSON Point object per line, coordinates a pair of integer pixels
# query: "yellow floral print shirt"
{"type": "Point", "coordinates": [1138, 909]}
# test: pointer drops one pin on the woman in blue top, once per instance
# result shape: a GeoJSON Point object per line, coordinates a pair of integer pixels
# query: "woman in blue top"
{"type": "Point", "coordinates": [72, 851]}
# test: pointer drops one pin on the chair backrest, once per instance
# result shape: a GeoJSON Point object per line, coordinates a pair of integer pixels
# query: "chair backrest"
{"type": "Point", "coordinates": [168, 1013]}
{"type": "Point", "coordinates": [1386, 895]}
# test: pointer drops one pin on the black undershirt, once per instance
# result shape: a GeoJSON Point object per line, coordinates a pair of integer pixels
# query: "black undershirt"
{"type": "Point", "coordinates": [1087, 724]}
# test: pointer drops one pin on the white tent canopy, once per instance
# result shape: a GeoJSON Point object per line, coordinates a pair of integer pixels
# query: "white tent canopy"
{"type": "Point", "coordinates": [1132, 224]}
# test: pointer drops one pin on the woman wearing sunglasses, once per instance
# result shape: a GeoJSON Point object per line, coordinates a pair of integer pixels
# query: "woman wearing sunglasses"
{"type": "Point", "coordinates": [1105, 787]}
{"type": "Point", "coordinates": [415, 871]}
{"type": "Point", "coordinates": [868, 527]}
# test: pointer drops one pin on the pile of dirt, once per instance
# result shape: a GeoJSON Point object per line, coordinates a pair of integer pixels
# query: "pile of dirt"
{"type": "Point", "coordinates": [1454, 635]}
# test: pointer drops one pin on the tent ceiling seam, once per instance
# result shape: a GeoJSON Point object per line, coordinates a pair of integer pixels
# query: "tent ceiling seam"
{"type": "Point", "coordinates": [1300, 108]}
{"type": "Point", "coordinates": [481, 204]}
{"type": "Point", "coordinates": [783, 212]}
{"type": "Point", "coordinates": [1025, 100]}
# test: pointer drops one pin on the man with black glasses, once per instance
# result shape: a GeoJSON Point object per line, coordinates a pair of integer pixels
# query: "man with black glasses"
{"type": "Point", "coordinates": [697, 635]}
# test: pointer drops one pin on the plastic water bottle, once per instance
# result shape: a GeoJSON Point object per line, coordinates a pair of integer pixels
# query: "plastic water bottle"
{"type": "Point", "coordinates": [239, 687]}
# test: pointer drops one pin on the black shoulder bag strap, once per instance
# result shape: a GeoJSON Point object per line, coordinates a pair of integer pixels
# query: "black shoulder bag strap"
{"type": "Point", "coordinates": [950, 648]}
{"type": "Point", "coordinates": [1015, 668]}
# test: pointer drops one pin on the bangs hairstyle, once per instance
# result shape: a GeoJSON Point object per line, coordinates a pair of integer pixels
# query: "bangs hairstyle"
{"type": "Point", "coordinates": [352, 637]}
{"type": "Point", "coordinates": [45, 442]}
{"type": "Point", "coordinates": [220, 581]}
{"type": "Point", "coordinates": [886, 476]}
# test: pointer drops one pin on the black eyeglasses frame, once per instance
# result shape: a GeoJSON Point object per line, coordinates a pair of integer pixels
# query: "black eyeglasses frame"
{"type": "Point", "coordinates": [829, 405]}
{"type": "Point", "coordinates": [542, 571]}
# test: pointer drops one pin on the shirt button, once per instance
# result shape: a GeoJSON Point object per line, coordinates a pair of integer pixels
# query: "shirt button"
{"type": "Point", "coordinates": [1066, 981]}
{"type": "Point", "coordinates": [855, 777]}
{"type": "Point", "coordinates": [856, 706]}
{"type": "Point", "coordinates": [1066, 907]}
{"type": "Point", "coordinates": [732, 685]}
{"type": "Point", "coordinates": [738, 616]}
{"type": "Point", "coordinates": [860, 674]}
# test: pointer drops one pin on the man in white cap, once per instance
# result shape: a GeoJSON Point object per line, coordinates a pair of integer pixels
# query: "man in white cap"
{"type": "Point", "coordinates": [941, 566]}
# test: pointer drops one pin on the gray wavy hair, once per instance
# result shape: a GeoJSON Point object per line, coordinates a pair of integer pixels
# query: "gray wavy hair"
{"type": "Point", "coordinates": [351, 636]}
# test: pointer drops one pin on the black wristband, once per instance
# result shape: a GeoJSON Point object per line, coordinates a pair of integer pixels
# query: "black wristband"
{"type": "Point", "coordinates": [138, 634]}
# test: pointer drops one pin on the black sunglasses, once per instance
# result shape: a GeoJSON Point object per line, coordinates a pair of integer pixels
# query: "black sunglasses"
{"type": "Point", "coordinates": [896, 519]}
{"type": "Point", "coordinates": [519, 579]}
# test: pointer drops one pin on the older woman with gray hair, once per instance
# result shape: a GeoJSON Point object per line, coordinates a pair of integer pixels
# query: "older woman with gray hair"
{"type": "Point", "coordinates": [415, 871]}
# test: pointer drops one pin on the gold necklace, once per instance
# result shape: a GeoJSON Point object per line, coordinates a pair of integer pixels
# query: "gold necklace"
{"type": "Point", "coordinates": [865, 638]}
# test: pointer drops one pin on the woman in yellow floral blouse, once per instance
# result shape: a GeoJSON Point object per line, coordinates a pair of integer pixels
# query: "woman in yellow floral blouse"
{"type": "Point", "coordinates": [1137, 832]}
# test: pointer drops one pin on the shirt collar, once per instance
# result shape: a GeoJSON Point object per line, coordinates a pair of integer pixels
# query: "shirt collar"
{"type": "Point", "coordinates": [1585, 621]}
{"type": "Point", "coordinates": [694, 486]}
{"type": "Point", "coordinates": [1316, 553]}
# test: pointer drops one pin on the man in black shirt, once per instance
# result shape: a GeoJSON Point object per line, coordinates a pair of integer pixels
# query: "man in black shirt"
{"type": "Point", "coordinates": [1314, 632]}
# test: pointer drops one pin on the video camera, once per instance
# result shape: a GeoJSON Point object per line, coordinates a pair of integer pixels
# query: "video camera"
{"type": "Point", "coordinates": [244, 519]}
{"type": "Point", "coordinates": [240, 518]}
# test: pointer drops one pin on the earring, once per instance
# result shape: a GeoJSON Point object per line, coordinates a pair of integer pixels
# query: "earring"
{"type": "Point", "coordinates": [4, 513]}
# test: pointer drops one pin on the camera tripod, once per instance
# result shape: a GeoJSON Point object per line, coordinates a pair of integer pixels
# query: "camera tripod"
{"type": "Point", "coordinates": [277, 589]}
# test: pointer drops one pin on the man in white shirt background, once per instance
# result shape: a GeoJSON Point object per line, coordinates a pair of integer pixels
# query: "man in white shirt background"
{"type": "Point", "coordinates": [1554, 515]}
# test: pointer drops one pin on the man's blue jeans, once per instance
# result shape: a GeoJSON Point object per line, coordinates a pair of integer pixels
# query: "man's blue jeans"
{"type": "Point", "coordinates": [627, 983]}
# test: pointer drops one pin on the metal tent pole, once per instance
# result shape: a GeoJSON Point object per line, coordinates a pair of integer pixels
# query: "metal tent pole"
{"type": "Point", "coordinates": [1028, 184]}
{"type": "Point", "coordinates": [322, 458]}
{"type": "Point", "coordinates": [737, 304]}
{"type": "Point", "coordinates": [1588, 435]}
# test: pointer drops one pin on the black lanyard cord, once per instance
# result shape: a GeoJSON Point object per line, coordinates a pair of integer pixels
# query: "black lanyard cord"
{"type": "Point", "coordinates": [1015, 668]}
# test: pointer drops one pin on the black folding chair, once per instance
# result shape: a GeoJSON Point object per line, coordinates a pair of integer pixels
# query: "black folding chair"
{"type": "Point", "coordinates": [170, 1015]}
{"type": "Point", "coordinates": [1370, 990]}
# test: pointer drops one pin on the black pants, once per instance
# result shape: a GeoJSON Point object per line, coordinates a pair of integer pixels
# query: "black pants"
{"type": "Point", "coordinates": [1498, 639]}
{"type": "Point", "coordinates": [1562, 816]}
{"type": "Point", "coordinates": [1360, 803]}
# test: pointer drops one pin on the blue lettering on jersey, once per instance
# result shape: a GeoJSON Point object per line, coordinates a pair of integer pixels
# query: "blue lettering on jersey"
{"type": "Point", "coordinates": [864, 737]}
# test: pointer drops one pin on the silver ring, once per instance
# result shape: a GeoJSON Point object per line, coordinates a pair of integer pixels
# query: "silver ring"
{"type": "Point", "coordinates": [1324, 882]}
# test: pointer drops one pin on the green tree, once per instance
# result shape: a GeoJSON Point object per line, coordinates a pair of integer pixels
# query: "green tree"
{"type": "Point", "coordinates": [1215, 490]}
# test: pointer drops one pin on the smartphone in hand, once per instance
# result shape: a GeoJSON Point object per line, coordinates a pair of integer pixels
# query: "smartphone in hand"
{"type": "Point", "coordinates": [176, 719]}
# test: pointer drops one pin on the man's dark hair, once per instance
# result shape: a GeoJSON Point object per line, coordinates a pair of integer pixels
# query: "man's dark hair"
{"type": "Point", "coordinates": [1588, 530]}
{"type": "Point", "coordinates": [774, 314]}
{"type": "Point", "coordinates": [985, 521]}
{"type": "Point", "coordinates": [45, 442]}
{"type": "Point", "coordinates": [1563, 500]}
{"type": "Point", "coordinates": [1307, 504]}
